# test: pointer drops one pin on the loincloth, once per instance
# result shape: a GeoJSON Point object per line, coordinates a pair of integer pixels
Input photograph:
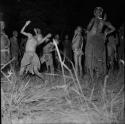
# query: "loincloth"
{"type": "Point", "coordinates": [78, 52]}
{"type": "Point", "coordinates": [30, 60]}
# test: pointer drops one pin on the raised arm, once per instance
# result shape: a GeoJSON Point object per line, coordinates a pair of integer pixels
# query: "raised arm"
{"type": "Point", "coordinates": [22, 30]}
{"type": "Point", "coordinates": [35, 30]}
{"type": "Point", "coordinates": [74, 37]}
{"type": "Point", "coordinates": [46, 38]}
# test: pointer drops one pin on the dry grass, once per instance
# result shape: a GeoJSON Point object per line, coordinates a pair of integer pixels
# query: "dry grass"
{"type": "Point", "coordinates": [65, 96]}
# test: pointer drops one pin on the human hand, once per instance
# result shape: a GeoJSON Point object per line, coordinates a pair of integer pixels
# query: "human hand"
{"type": "Point", "coordinates": [49, 35]}
{"type": "Point", "coordinates": [28, 22]}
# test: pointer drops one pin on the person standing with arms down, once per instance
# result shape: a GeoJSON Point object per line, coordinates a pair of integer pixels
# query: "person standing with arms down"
{"type": "Point", "coordinates": [67, 50]}
{"type": "Point", "coordinates": [77, 44]}
{"type": "Point", "coordinates": [30, 61]}
{"type": "Point", "coordinates": [14, 49]}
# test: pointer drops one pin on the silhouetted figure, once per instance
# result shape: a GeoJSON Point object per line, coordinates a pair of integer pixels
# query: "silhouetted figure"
{"type": "Point", "coordinates": [67, 50]}
{"type": "Point", "coordinates": [95, 52]}
{"type": "Point", "coordinates": [111, 51]}
{"type": "Point", "coordinates": [14, 48]}
{"type": "Point", "coordinates": [57, 61]}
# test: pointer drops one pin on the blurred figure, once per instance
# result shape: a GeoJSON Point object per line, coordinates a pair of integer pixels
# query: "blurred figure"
{"type": "Point", "coordinates": [77, 44]}
{"type": "Point", "coordinates": [67, 50]}
{"type": "Point", "coordinates": [22, 46]}
{"type": "Point", "coordinates": [5, 45]}
{"type": "Point", "coordinates": [121, 44]}
{"type": "Point", "coordinates": [47, 57]}
{"type": "Point", "coordinates": [14, 48]}
{"type": "Point", "coordinates": [112, 51]}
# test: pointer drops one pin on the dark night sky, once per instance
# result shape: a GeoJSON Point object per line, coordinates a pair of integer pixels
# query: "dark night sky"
{"type": "Point", "coordinates": [69, 12]}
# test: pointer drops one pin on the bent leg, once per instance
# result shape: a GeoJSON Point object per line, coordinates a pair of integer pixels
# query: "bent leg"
{"type": "Point", "coordinates": [37, 73]}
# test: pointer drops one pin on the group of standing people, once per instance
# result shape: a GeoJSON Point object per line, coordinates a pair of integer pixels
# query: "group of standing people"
{"type": "Point", "coordinates": [97, 46]}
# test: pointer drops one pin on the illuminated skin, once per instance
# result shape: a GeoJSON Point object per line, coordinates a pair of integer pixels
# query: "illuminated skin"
{"type": "Point", "coordinates": [32, 43]}
{"type": "Point", "coordinates": [97, 23]}
{"type": "Point", "coordinates": [47, 56]}
{"type": "Point", "coordinates": [77, 44]}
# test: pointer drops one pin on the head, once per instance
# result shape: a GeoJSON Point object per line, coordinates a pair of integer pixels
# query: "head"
{"type": "Point", "coordinates": [38, 31]}
{"type": "Point", "coordinates": [57, 36]}
{"type": "Point", "coordinates": [66, 37]}
{"type": "Point", "coordinates": [15, 33]}
{"type": "Point", "coordinates": [2, 23]}
{"type": "Point", "coordinates": [98, 12]}
{"type": "Point", "coordinates": [78, 29]}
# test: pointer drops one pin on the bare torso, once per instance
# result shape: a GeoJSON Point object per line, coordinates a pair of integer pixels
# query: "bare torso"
{"type": "Point", "coordinates": [78, 42]}
{"type": "Point", "coordinates": [31, 44]}
{"type": "Point", "coordinates": [39, 37]}
{"type": "Point", "coordinates": [97, 26]}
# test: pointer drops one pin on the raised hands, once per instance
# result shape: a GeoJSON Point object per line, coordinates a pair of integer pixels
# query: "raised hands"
{"type": "Point", "coordinates": [28, 22]}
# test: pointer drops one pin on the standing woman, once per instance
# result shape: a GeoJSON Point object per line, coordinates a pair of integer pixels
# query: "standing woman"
{"type": "Point", "coordinates": [95, 52]}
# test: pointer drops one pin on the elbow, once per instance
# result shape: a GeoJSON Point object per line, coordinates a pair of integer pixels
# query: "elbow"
{"type": "Point", "coordinates": [21, 32]}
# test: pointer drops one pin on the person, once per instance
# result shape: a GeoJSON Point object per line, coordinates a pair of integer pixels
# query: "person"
{"type": "Point", "coordinates": [77, 44]}
{"type": "Point", "coordinates": [95, 53]}
{"type": "Point", "coordinates": [67, 50]}
{"type": "Point", "coordinates": [47, 56]}
{"type": "Point", "coordinates": [30, 61]}
{"type": "Point", "coordinates": [5, 45]}
{"type": "Point", "coordinates": [112, 50]}
{"type": "Point", "coordinates": [14, 48]}
{"type": "Point", "coordinates": [67, 47]}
